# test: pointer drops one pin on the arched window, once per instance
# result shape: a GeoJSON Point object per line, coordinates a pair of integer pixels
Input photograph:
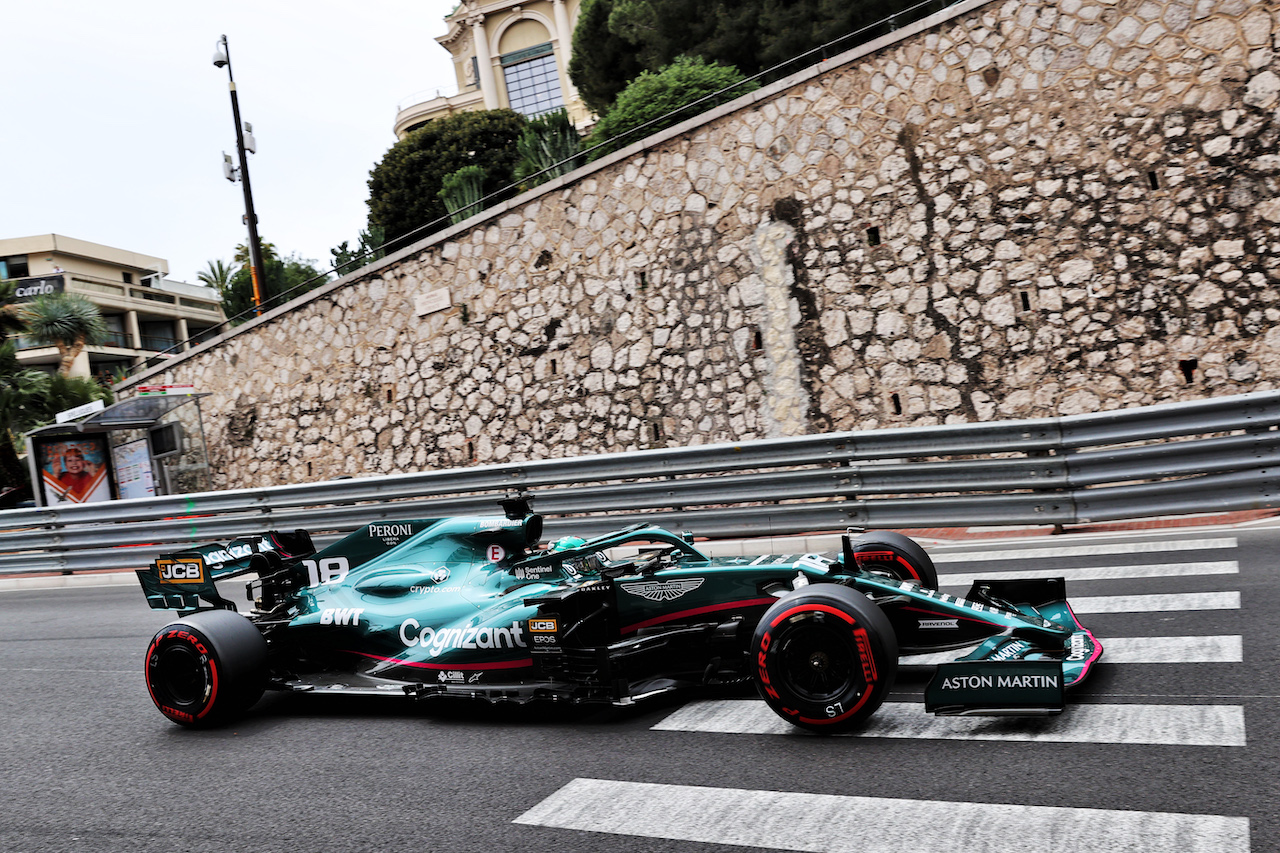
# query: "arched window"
{"type": "Point", "coordinates": [533, 83]}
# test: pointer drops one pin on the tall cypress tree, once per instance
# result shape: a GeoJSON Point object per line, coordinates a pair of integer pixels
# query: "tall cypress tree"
{"type": "Point", "coordinates": [617, 39]}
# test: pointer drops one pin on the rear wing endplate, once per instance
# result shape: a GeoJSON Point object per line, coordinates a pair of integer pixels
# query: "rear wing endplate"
{"type": "Point", "coordinates": [180, 580]}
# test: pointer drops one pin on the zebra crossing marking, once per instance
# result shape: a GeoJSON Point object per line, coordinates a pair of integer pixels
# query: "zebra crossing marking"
{"type": "Point", "coordinates": [1227, 648]}
{"type": "Point", "coordinates": [1098, 550]}
{"type": "Point", "coordinates": [1214, 649]}
{"type": "Point", "coordinates": [1156, 603]}
{"type": "Point", "coordinates": [830, 823]}
{"type": "Point", "coordinates": [1099, 573]}
{"type": "Point", "coordinates": [874, 825]}
{"type": "Point", "coordinates": [1159, 725]}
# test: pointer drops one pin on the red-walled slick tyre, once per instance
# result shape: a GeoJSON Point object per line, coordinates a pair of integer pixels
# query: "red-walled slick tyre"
{"type": "Point", "coordinates": [884, 552]}
{"type": "Point", "coordinates": [825, 657]}
{"type": "Point", "coordinates": [206, 668]}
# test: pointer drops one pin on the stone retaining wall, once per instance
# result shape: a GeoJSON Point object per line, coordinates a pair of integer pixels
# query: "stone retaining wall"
{"type": "Point", "coordinates": [1023, 210]}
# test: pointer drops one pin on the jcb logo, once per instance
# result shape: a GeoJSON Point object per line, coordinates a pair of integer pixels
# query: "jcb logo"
{"type": "Point", "coordinates": [542, 626]}
{"type": "Point", "coordinates": [174, 571]}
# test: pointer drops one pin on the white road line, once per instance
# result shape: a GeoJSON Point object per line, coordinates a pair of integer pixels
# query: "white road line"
{"type": "Point", "coordinates": [828, 823]}
{"type": "Point", "coordinates": [1100, 573]}
{"type": "Point", "coordinates": [1179, 602]}
{"type": "Point", "coordinates": [1214, 649]}
{"type": "Point", "coordinates": [60, 670]}
{"type": "Point", "coordinates": [1163, 725]}
{"type": "Point", "coordinates": [1223, 649]}
{"type": "Point", "coordinates": [1099, 549]}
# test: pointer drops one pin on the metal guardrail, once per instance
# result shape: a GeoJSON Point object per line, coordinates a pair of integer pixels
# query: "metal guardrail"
{"type": "Point", "coordinates": [1203, 456]}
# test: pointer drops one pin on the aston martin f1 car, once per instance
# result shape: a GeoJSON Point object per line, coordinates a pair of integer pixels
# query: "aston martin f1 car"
{"type": "Point", "coordinates": [473, 607]}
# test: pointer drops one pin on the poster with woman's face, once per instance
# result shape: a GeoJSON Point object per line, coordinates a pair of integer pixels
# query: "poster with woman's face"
{"type": "Point", "coordinates": [73, 469]}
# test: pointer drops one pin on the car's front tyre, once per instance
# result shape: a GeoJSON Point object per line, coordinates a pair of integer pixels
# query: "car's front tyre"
{"type": "Point", "coordinates": [206, 668]}
{"type": "Point", "coordinates": [884, 552]}
{"type": "Point", "coordinates": [825, 657]}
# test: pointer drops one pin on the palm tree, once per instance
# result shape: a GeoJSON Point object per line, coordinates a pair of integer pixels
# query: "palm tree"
{"type": "Point", "coordinates": [268, 252]}
{"type": "Point", "coordinates": [23, 394]}
{"type": "Point", "coordinates": [218, 275]}
{"type": "Point", "coordinates": [67, 392]}
{"type": "Point", "coordinates": [68, 321]}
{"type": "Point", "coordinates": [11, 322]}
{"type": "Point", "coordinates": [30, 398]}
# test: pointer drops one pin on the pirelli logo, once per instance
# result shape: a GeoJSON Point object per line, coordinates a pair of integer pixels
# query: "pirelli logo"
{"type": "Point", "coordinates": [542, 626]}
{"type": "Point", "coordinates": [190, 570]}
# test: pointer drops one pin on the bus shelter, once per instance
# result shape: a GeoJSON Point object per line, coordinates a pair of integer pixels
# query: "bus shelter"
{"type": "Point", "coordinates": [140, 447]}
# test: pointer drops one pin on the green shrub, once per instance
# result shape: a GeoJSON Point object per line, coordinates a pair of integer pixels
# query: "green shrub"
{"type": "Point", "coordinates": [461, 193]}
{"type": "Point", "coordinates": [681, 90]}
{"type": "Point", "coordinates": [404, 188]}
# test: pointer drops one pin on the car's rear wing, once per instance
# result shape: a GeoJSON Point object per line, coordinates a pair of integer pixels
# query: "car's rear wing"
{"type": "Point", "coordinates": [181, 579]}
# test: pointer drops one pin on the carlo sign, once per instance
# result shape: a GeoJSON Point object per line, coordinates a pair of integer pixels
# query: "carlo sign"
{"type": "Point", "coordinates": [28, 289]}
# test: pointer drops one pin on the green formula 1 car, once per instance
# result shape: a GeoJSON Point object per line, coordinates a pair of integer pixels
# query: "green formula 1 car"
{"type": "Point", "coordinates": [470, 607]}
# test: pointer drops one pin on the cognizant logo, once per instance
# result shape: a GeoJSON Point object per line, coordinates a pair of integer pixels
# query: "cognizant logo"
{"type": "Point", "coordinates": [436, 641]}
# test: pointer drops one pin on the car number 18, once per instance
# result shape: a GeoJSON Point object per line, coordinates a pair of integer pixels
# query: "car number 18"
{"type": "Point", "coordinates": [328, 570]}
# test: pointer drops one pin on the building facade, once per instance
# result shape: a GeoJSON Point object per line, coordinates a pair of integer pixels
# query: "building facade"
{"type": "Point", "coordinates": [506, 54]}
{"type": "Point", "coordinates": [145, 312]}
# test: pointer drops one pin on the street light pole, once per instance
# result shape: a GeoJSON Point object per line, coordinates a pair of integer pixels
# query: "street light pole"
{"type": "Point", "coordinates": [221, 57]}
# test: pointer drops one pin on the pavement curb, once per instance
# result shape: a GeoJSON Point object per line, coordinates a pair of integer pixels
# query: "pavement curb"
{"type": "Point", "coordinates": [30, 582]}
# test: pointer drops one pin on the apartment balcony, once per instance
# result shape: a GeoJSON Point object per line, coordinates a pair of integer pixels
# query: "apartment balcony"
{"type": "Point", "coordinates": [114, 340]}
{"type": "Point", "coordinates": [435, 103]}
{"type": "Point", "coordinates": [157, 344]}
{"type": "Point", "coordinates": [138, 297]}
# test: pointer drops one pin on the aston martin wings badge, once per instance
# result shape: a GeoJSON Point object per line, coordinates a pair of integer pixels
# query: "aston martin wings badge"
{"type": "Point", "coordinates": [662, 590]}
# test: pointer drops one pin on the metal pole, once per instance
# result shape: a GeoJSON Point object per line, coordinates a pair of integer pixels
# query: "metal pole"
{"type": "Point", "coordinates": [251, 219]}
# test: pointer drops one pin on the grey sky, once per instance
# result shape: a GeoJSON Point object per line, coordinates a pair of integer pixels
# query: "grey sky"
{"type": "Point", "coordinates": [117, 118]}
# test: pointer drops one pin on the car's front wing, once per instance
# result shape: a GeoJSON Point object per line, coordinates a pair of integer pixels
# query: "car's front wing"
{"type": "Point", "coordinates": [1024, 670]}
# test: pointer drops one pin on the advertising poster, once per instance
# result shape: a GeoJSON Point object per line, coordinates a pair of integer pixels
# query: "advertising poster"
{"type": "Point", "coordinates": [134, 478]}
{"type": "Point", "coordinates": [74, 469]}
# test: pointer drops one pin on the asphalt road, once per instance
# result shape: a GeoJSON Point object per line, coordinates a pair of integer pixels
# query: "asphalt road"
{"type": "Point", "coordinates": [1171, 745]}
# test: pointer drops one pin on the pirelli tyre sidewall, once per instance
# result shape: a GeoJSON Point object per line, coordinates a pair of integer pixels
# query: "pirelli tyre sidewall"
{"type": "Point", "coordinates": [888, 553]}
{"type": "Point", "coordinates": [825, 657]}
{"type": "Point", "coordinates": [206, 668]}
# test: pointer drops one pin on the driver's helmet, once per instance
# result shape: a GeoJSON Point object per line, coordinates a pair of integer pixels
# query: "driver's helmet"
{"type": "Point", "coordinates": [567, 542]}
{"type": "Point", "coordinates": [576, 566]}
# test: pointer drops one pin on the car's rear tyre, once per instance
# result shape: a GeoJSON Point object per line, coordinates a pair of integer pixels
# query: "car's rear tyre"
{"type": "Point", "coordinates": [884, 552]}
{"type": "Point", "coordinates": [206, 668]}
{"type": "Point", "coordinates": [825, 657]}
